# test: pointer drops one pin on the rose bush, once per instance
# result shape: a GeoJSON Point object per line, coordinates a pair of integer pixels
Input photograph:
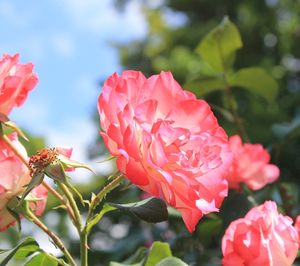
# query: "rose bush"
{"type": "Point", "coordinates": [16, 80]}
{"type": "Point", "coordinates": [250, 165]}
{"type": "Point", "coordinates": [166, 142]}
{"type": "Point", "coordinates": [14, 177]}
{"type": "Point", "coordinates": [264, 237]}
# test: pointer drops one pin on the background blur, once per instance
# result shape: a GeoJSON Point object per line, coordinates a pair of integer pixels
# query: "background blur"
{"type": "Point", "coordinates": [76, 44]}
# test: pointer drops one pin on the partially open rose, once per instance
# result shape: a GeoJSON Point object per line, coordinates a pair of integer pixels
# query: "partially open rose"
{"type": "Point", "coordinates": [14, 176]}
{"type": "Point", "coordinates": [250, 165]}
{"type": "Point", "coordinates": [166, 142]}
{"type": "Point", "coordinates": [16, 80]}
{"type": "Point", "coordinates": [264, 237]}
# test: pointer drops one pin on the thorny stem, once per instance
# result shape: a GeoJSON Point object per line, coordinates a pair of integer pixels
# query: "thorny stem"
{"type": "Point", "coordinates": [30, 216]}
{"type": "Point", "coordinates": [102, 193]}
{"type": "Point", "coordinates": [83, 248]}
{"type": "Point", "coordinates": [49, 188]}
{"type": "Point", "coordinates": [84, 232]}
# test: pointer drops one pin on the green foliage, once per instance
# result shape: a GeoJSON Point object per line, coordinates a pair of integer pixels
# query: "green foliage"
{"type": "Point", "coordinates": [152, 210]}
{"type": "Point", "coordinates": [21, 251]}
{"type": "Point", "coordinates": [218, 47]}
{"type": "Point", "coordinates": [257, 81]}
{"type": "Point", "coordinates": [41, 259]}
{"type": "Point", "coordinates": [157, 253]}
{"type": "Point", "coordinates": [29, 248]}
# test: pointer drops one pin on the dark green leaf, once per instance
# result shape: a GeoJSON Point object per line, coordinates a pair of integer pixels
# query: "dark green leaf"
{"type": "Point", "coordinates": [157, 253]}
{"type": "Point", "coordinates": [151, 210]}
{"type": "Point", "coordinates": [42, 259]}
{"type": "Point", "coordinates": [172, 261]}
{"type": "Point", "coordinates": [28, 244]}
{"type": "Point", "coordinates": [256, 80]}
{"type": "Point", "coordinates": [218, 46]}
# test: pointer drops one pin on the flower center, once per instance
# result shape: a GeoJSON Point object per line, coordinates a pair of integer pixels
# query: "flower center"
{"type": "Point", "coordinates": [41, 160]}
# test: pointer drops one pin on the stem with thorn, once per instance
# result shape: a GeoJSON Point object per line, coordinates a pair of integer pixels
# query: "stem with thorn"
{"type": "Point", "coordinates": [56, 240]}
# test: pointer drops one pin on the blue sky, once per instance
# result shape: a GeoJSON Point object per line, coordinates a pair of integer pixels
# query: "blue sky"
{"type": "Point", "coordinates": [68, 41]}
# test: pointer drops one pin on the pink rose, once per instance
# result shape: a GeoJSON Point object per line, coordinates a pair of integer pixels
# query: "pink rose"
{"type": "Point", "coordinates": [264, 237]}
{"type": "Point", "coordinates": [166, 142]}
{"type": "Point", "coordinates": [14, 176]}
{"type": "Point", "coordinates": [16, 80]}
{"type": "Point", "coordinates": [250, 165]}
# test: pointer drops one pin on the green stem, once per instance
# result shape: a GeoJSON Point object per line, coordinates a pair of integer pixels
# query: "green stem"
{"type": "Point", "coordinates": [85, 230]}
{"type": "Point", "coordinates": [83, 248]}
{"type": "Point", "coordinates": [30, 216]}
{"type": "Point", "coordinates": [102, 193]}
{"type": "Point", "coordinates": [77, 217]}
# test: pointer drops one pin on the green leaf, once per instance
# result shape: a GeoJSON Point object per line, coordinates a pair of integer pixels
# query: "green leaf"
{"type": "Point", "coordinates": [42, 259]}
{"type": "Point", "coordinates": [70, 163]}
{"type": "Point", "coordinates": [256, 80]}
{"type": "Point", "coordinates": [157, 253]}
{"type": "Point", "coordinates": [35, 181]}
{"type": "Point", "coordinates": [28, 245]}
{"type": "Point", "coordinates": [219, 45]}
{"type": "Point", "coordinates": [205, 85]}
{"type": "Point", "coordinates": [172, 261]}
{"type": "Point", "coordinates": [151, 210]}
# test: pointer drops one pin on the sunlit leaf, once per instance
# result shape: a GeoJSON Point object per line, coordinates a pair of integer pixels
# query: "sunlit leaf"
{"type": "Point", "coordinates": [42, 259]}
{"type": "Point", "coordinates": [157, 253]}
{"type": "Point", "coordinates": [218, 46]}
{"type": "Point", "coordinates": [26, 247]}
{"type": "Point", "coordinates": [172, 261]}
{"type": "Point", "coordinates": [257, 81]}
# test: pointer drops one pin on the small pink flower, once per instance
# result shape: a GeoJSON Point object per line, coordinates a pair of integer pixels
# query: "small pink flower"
{"type": "Point", "coordinates": [16, 80]}
{"type": "Point", "coordinates": [250, 165]}
{"type": "Point", "coordinates": [166, 142]}
{"type": "Point", "coordinates": [264, 237]}
{"type": "Point", "coordinates": [14, 176]}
